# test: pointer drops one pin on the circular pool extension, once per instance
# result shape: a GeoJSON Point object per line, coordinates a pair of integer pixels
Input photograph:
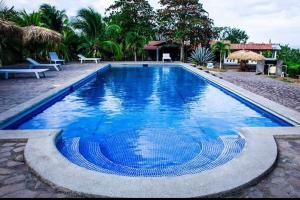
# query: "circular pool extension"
{"type": "Point", "coordinates": [151, 152]}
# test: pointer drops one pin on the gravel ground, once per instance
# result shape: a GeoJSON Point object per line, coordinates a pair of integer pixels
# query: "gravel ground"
{"type": "Point", "coordinates": [281, 92]}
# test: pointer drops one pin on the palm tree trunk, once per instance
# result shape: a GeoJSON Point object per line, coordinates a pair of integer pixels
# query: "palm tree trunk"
{"type": "Point", "coordinates": [220, 60]}
{"type": "Point", "coordinates": [135, 56]}
{"type": "Point", "coordinates": [1, 54]}
{"type": "Point", "coordinates": [182, 51]}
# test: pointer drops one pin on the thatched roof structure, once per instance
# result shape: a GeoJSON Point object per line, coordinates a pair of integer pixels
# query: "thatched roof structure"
{"type": "Point", "coordinates": [40, 35]}
{"type": "Point", "coordinates": [8, 29]}
{"type": "Point", "coordinates": [246, 55]}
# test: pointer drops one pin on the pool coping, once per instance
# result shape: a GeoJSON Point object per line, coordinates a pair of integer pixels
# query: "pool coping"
{"type": "Point", "coordinates": [45, 160]}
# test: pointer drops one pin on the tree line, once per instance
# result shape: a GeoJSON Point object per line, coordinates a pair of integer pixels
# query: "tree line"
{"type": "Point", "coordinates": [120, 34]}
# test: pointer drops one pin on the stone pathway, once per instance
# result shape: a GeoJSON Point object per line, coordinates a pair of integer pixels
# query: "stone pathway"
{"type": "Point", "coordinates": [24, 87]}
{"type": "Point", "coordinates": [17, 181]}
{"type": "Point", "coordinates": [281, 92]}
{"type": "Point", "coordinates": [284, 181]}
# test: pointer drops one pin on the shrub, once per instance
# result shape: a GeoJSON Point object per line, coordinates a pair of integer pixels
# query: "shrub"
{"type": "Point", "coordinates": [200, 56]}
{"type": "Point", "coordinates": [293, 69]}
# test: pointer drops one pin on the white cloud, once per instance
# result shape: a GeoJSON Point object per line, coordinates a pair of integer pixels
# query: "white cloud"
{"type": "Point", "coordinates": [262, 19]}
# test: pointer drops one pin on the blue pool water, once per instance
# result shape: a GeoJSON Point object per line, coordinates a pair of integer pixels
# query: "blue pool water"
{"type": "Point", "coordinates": [150, 121]}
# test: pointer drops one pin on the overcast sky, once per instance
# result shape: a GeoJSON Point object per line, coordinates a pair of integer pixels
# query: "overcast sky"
{"type": "Point", "coordinates": [278, 20]}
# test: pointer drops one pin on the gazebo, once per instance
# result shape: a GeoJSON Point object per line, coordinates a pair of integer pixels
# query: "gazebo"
{"type": "Point", "coordinates": [244, 55]}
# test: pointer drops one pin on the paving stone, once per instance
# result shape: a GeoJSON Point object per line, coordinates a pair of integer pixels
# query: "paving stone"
{"type": "Point", "coordinates": [295, 182]}
{"type": "Point", "coordinates": [10, 189]}
{"type": "Point", "coordinates": [19, 158]}
{"type": "Point", "coordinates": [14, 164]}
{"type": "Point", "coordinates": [21, 145]}
{"type": "Point", "coordinates": [15, 179]}
{"type": "Point", "coordinates": [255, 194]}
{"type": "Point", "coordinates": [22, 194]}
{"type": "Point", "coordinates": [4, 171]}
{"type": "Point", "coordinates": [2, 177]}
{"type": "Point", "coordinates": [5, 155]}
{"type": "Point", "coordinates": [18, 150]}
{"type": "Point", "coordinates": [6, 149]}
{"type": "Point", "coordinates": [44, 195]}
{"type": "Point", "coordinates": [8, 144]}
{"type": "Point", "coordinates": [3, 160]}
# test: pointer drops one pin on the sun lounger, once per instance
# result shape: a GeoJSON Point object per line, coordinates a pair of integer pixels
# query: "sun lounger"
{"type": "Point", "coordinates": [210, 65]}
{"type": "Point", "coordinates": [23, 71]}
{"type": "Point", "coordinates": [272, 70]}
{"type": "Point", "coordinates": [83, 58]}
{"type": "Point", "coordinates": [54, 58]}
{"type": "Point", "coordinates": [33, 63]}
{"type": "Point", "coordinates": [166, 56]}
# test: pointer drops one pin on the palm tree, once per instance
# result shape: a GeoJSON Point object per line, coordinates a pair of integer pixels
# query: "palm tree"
{"type": "Point", "coordinates": [96, 35]}
{"type": "Point", "coordinates": [7, 13]}
{"type": "Point", "coordinates": [29, 19]}
{"type": "Point", "coordinates": [113, 32]}
{"type": "Point", "coordinates": [135, 42]}
{"type": "Point", "coordinates": [52, 18]}
{"type": "Point", "coordinates": [222, 48]}
{"type": "Point", "coordinates": [68, 48]}
{"type": "Point", "coordinates": [111, 45]}
{"type": "Point", "coordinates": [90, 23]}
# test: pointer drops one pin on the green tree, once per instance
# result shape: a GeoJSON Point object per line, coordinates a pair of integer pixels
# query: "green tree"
{"type": "Point", "coordinates": [185, 21]}
{"type": "Point", "coordinates": [28, 19]}
{"type": "Point", "coordinates": [94, 34]}
{"type": "Point", "coordinates": [68, 48]}
{"type": "Point", "coordinates": [52, 18]}
{"type": "Point", "coordinates": [135, 42]}
{"type": "Point", "coordinates": [220, 47]}
{"type": "Point", "coordinates": [234, 35]}
{"type": "Point", "coordinates": [133, 16]}
{"type": "Point", "coordinates": [7, 13]}
{"type": "Point", "coordinates": [90, 23]}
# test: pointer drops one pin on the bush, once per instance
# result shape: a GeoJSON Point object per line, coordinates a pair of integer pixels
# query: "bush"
{"type": "Point", "coordinates": [293, 69]}
{"type": "Point", "coordinates": [201, 56]}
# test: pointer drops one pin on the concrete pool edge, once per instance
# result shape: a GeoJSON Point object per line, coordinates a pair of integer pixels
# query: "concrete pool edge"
{"type": "Point", "coordinates": [46, 162]}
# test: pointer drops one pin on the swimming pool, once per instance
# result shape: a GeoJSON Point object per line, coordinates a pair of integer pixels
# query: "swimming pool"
{"type": "Point", "coordinates": [150, 121]}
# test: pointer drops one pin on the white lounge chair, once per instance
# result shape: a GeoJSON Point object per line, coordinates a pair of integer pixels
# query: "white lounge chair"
{"type": "Point", "coordinates": [272, 70]}
{"type": "Point", "coordinates": [83, 58]}
{"type": "Point", "coordinates": [33, 64]}
{"type": "Point", "coordinates": [54, 58]}
{"type": "Point", "coordinates": [210, 65]}
{"type": "Point", "coordinates": [19, 71]}
{"type": "Point", "coordinates": [166, 56]}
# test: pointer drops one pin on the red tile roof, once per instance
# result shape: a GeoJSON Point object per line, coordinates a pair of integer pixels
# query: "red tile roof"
{"type": "Point", "coordinates": [152, 45]}
{"type": "Point", "coordinates": [251, 46]}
